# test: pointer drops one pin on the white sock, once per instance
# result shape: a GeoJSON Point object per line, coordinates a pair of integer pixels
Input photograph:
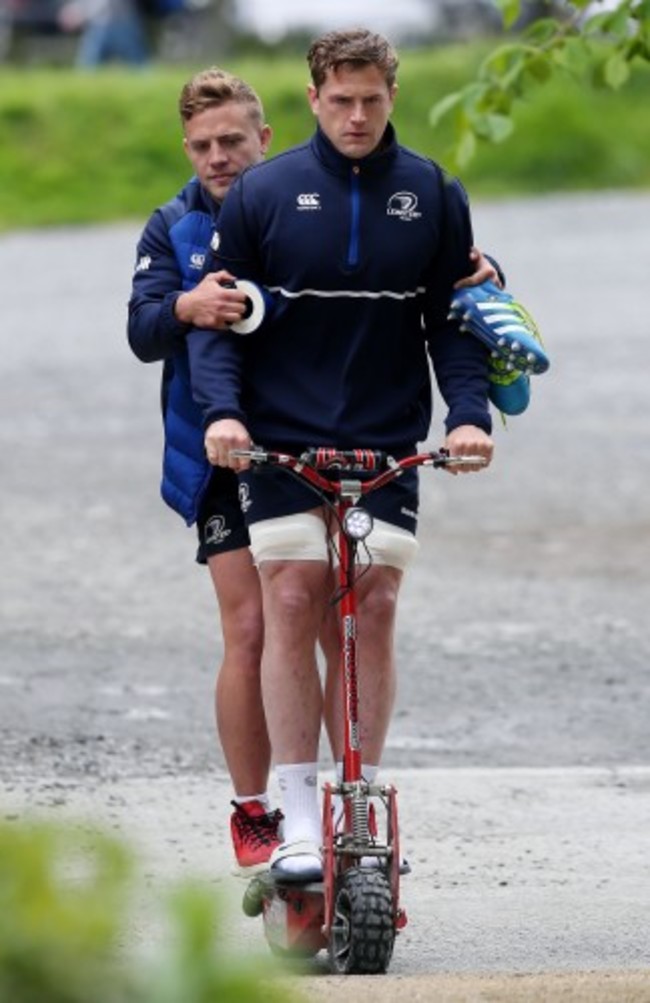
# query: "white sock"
{"type": "Point", "coordinates": [299, 785]}
{"type": "Point", "coordinates": [262, 798]}
{"type": "Point", "coordinates": [302, 818]}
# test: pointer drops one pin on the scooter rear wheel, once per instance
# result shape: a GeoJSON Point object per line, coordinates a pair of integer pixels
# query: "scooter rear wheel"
{"type": "Point", "coordinates": [363, 929]}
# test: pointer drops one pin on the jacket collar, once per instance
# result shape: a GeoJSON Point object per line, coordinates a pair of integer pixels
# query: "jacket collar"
{"type": "Point", "coordinates": [204, 200]}
{"type": "Point", "coordinates": [336, 162]}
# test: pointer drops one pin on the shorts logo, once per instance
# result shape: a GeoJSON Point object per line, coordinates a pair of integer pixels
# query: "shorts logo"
{"type": "Point", "coordinates": [403, 205]}
{"type": "Point", "coordinates": [216, 240]}
{"type": "Point", "coordinates": [245, 500]}
{"type": "Point", "coordinates": [215, 530]}
{"type": "Point", "coordinates": [197, 260]}
{"type": "Point", "coordinates": [408, 512]}
{"type": "Point", "coordinates": [144, 264]}
{"type": "Point", "coordinates": [308, 200]}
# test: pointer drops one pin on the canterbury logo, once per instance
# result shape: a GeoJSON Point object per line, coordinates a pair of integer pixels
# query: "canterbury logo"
{"type": "Point", "coordinates": [308, 200]}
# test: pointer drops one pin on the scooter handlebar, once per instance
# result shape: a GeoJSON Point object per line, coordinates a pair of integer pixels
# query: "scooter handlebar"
{"type": "Point", "coordinates": [329, 458]}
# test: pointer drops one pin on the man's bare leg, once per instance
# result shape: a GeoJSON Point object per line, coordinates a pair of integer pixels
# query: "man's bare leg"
{"type": "Point", "coordinates": [241, 723]}
{"type": "Point", "coordinates": [378, 592]}
{"type": "Point", "coordinates": [329, 639]}
{"type": "Point", "coordinates": [294, 594]}
{"type": "Point", "coordinates": [378, 589]}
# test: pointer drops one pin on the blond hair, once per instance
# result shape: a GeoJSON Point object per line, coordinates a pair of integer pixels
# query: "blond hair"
{"type": "Point", "coordinates": [213, 87]}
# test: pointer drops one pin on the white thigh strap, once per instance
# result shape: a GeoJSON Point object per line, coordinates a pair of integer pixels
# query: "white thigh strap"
{"type": "Point", "coordinates": [303, 537]}
{"type": "Point", "coordinates": [300, 537]}
{"type": "Point", "coordinates": [389, 545]}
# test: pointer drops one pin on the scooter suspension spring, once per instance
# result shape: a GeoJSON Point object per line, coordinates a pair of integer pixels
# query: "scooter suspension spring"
{"type": "Point", "coordinates": [360, 818]}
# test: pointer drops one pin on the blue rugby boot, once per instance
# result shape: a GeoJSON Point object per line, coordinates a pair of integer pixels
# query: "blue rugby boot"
{"type": "Point", "coordinates": [508, 391]}
{"type": "Point", "coordinates": [502, 324]}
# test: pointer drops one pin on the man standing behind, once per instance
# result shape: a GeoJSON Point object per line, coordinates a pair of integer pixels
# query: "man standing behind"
{"type": "Point", "coordinates": [224, 132]}
{"type": "Point", "coordinates": [361, 241]}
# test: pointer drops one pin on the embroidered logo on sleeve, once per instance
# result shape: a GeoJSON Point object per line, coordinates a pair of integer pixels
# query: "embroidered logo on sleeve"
{"type": "Point", "coordinates": [144, 264]}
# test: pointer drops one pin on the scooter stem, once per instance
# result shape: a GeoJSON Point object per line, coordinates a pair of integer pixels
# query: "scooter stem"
{"type": "Point", "coordinates": [349, 657]}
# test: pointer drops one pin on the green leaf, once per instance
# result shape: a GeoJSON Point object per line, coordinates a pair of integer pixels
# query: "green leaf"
{"type": "Point", "coordinates": [443, 107]}
{"type": "Point", "coordinates": [491, 127]}
{"type": "Point", "coordinates": [616, 70]}
{"type": "Point", "coordinates": [504, 66]}
{"type": "Point", "coordinates": [465, 147]}
{"type": "Point", "coordinates": [540, 68]}
{"type": "Point", "coordinates": [618, 24]}
{"type": "Point", "coordinates": [510, 10]}
{"type": "Point", "coordinates": [598, 73]}
{"type": "Point", "coordinates": [574, 56]}
{"type": "Point", "coordinates": [499, 127]}
{"type": "Point", "coordinates": [501, 60]}
{"type": "Point", "coordinates": [638, 47]}
{"type": "Point", "coordinates": [542, 31]}
{"type": "Point", "coordinates": [595, 24]}
{"type": "Point", "coordinates": [473, 94]}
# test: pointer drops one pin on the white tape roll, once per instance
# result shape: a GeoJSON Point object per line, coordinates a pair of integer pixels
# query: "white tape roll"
{"type": "Point", "coordinates": [256, 308]}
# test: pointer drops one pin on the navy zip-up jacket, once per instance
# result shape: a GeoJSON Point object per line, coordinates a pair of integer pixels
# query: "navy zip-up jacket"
{"type": "Point", "coordinates": [361, 257]}
{"type": "Point", "coordinates": [171, 258]}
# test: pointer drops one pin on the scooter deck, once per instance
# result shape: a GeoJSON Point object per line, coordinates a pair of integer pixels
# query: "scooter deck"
{"type": "Point", "coordinates": [271, 881]}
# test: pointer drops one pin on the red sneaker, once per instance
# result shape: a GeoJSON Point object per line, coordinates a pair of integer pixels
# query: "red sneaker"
{"type": "Point", "coordinates": [255, 835]}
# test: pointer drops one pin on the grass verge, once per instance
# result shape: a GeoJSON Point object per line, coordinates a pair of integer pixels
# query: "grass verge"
{"type": "Point", "coordinates": [107, 146]}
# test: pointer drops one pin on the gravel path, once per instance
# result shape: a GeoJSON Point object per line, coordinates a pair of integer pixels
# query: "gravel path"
{"type": "Point", "coordinates": [523, 642]}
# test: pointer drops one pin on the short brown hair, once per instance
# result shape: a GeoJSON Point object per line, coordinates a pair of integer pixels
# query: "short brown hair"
{"type": "Point", "coordinates": [356, 47]}
{"type": "Point", "coordinates": [213, 87]}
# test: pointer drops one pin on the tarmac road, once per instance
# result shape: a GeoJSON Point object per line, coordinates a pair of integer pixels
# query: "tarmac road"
{"type": "Point", "coordinates": [520, 743]}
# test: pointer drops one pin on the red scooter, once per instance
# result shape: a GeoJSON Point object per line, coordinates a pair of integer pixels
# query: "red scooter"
{"type": "Point", "coordinates": [355, 911]}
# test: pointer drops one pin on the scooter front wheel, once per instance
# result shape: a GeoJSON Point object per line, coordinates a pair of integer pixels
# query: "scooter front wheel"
{"type": "Point", "coordinates": [362, 934]}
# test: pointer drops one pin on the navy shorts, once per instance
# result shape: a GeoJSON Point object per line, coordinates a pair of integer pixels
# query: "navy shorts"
{"type": "Point", "coordinates": [269, 492]}
{"type": "Point", "coordinates": [220, 522]}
